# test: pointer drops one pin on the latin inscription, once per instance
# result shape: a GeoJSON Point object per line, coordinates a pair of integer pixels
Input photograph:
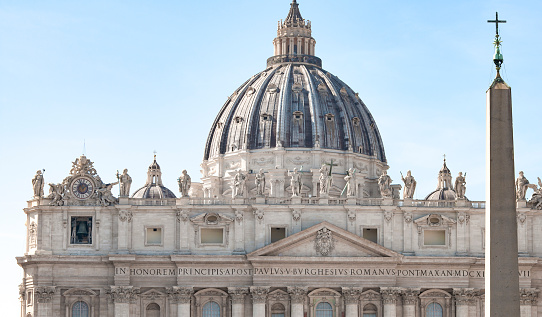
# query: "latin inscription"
{"type": "Point", "coordinates": [278, 271]}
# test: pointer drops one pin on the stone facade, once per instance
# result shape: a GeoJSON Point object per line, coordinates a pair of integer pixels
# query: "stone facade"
{"type": "Point", "coordinates": [269, 250]}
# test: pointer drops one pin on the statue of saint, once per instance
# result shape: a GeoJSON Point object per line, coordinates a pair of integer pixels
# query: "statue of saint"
{"type": "Point", "coordinates": [521, 186]}
{"type": "Point", "coordinates": [125, 182]}
{"type": "Point", "coordinates": [238, 184]}
{"type": "Point", "coordinates": [324, 180]}
{"type": "Point", "coordinates": [37, 184]}
{"type": "Point", "coordinates": [105, 196]}
{"type": "Point", "coordinates": [260, 183]}
{"type": "Point", "coordinates": [410, 185]}
{"type": "Point", "coordinates": [184, 183]}
{"type": "Point", "coordinates": [460, 188]}
{"type": "Point", "coordinates": [295, 182]}
{"type": "Point", "coordinates": [384, 184]}
{"type": "Point", "coordinates": [350, 178]}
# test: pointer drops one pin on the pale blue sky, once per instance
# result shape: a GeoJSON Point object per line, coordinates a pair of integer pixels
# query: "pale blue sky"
{"type": "Point", "coordinates": [130, 77]}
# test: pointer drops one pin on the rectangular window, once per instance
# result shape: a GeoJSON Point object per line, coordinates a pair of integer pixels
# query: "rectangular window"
{"type": "Point", "coordinates": [212, 235]}
{"type": "Point", "coordinates": [277, 234]}
{"type": "Point", "coordinates": [29, 298]}
{"type": "Point", "coordinates": [153, 236]}
{"type": "Point", "coordinates": [370, 234]}
{"type": "Point", "coordinates": [434, 237]}
{"type": "Point", "coordinates": [81, 230]}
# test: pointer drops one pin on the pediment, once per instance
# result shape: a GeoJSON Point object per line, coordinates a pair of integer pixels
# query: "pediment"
{"type": "Point", "coordinates": [324, 240]}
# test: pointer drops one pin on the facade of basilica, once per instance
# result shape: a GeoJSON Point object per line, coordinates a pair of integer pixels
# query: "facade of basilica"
{"type": "Point", "coordinates": [295, 215]}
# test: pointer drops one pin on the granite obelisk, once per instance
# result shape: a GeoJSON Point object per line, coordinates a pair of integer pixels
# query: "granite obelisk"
{"type": "Point", "coordinates": [501, 256]}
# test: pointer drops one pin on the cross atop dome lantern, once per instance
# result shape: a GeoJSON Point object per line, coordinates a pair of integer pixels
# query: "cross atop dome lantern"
{"type": "Point", "coordinates": [294, 40]}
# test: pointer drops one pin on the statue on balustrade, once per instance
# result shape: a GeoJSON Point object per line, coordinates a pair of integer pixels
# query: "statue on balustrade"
{"type": "Point", "coordinates": [184, 183]}
{"type": "Point", "coordinates": [37, 184]}
{"type": "Point", "coordinates": [384, 184]}
{"type": "Point", "coordinates": [125, 182]}
{"type": "Point", "coordinates": [410, 185]}
{"type": "Point", "coordinates": [260, 183]}
{"type": "Point", "coordinates": [460, 185]}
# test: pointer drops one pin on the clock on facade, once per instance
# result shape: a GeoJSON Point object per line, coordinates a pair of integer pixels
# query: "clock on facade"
{"type": "Point", "coordinates": [82, 188]}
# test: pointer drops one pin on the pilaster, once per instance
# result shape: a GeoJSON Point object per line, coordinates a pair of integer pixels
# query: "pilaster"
{"type": "Point", "coordinates": [238, 295]}
{"type": "Point", "coordinates": [410, 300]}
{"type": "Point", "coordinates": [259, 298]}
{"type": "Point", "coordinates": [389, 298]}
{"type": "Point", "coordinates": [464, 297]}
{"type": "Point", "coordinates": [297, 299]}
{"type": "Point", "coordinates": [528, 301]}
{"type": "Point", "coordinates": [351, 299]}
{"type": "Point", "coordinates": [182, 216]}
{"type": "Point", "coordinates": [44, 299]}
{"type": "Point", "coordinates": [239, 247]}
{"type": "Point", "coordinates": [122, 296]}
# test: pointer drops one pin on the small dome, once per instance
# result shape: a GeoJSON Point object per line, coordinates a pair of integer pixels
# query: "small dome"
{"type": "Point", "coordinates": [445, 189]}
{"type": "Point", "coordinates": [153, 191]}
{"type": "Point", "coordinates": [154, 188]}
{"type": "Point", "coordinates": [442, 194]}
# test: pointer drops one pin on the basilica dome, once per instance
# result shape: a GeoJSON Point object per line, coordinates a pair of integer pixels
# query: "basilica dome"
{"type": "Point", "coordinates": [294, 104]}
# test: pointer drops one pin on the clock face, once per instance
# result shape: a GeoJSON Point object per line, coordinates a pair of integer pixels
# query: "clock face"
{"type": "Point", "coordinates": [82, 188]}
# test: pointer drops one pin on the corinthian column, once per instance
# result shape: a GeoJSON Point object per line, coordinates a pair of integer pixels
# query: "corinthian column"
{"type": "Point", "coordinates": [410, 299]}
{"type": "Point", "coordinates": [259, 297]}
{"type": "Point", "coordinates": [122, 296]}
{"type": "Point", "coordinates": [182, 296]}
{"type": "Point", "coordinates": [463, 298]}
{"type": "Point", "coordinates": [389, 298]}
{"type": "Point", "coordinates": [351, 298]}
{"type": "Point", "coordinates": [297, 297]}
{"type": "Point", "coordinates": [44, 296]}
{"type": "Point", "coordinates": [527, 299]}
{"type": "Point", "coordinates": [238, 300]}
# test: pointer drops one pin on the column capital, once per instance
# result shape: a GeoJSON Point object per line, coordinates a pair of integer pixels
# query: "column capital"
{"type": "Point", "coordinates": [389, 294]}
{"type": "Point", "coordinates": [410, 296]}
{"type": "Point", "coordinates": [259, 294]}
{"type": "Point", "coordinates": [180, 294]}
{"type": "Point", "coordinates": [297, 294]}
{"type": "Point", "coordinates": [123, 294]}
{"type": "Point", "coordinates": [351, 294]}
{"type": "Point", "coordinates": [44, 294]}
{"type": "Point", "coordinates": [238, 294]}
{"type": "Point", "coordinates": [528, 296]}
{"type": "Point", "coordinates": [464, 296]}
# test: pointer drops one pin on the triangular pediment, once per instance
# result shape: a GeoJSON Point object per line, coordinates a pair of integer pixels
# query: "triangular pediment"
{"type": "Point", "coordinates": [324, 240]}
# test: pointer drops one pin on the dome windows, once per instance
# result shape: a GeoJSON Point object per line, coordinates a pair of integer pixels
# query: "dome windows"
{"type": "Point", "coordinates": [329, 117]}
{"type": "Point", "coordinates": [266, 117]}
{"type": "Point", "coordinates": [272, 88]}
{"type": "Point", "coordinates": [238, 119]}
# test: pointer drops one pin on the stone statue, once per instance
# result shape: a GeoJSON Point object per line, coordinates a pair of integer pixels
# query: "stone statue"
{"type": "Point", "coordinates": [56, 193]}
{"type": "Point", "coordinates": [460, 188]}
{"type": "Point", "coordinates": [238, 184]}
{"type": "Point", "coordinates": [324, 180]}
{"type": "Point", "coordinates": [295, 182]}
{"type": "Point", "coordinates": [184, 183]}
{"type": "Point", "coordinates": [410, 185]}
{"type": "Point", "coordinates": [37, 184]}
{"type": "Point", "coordinates": [384, 184]}
{"type": "Point", "coordinates": [125, 182]}
{"type": "Point", "coordinates": [350, 178]}
{"type": "Point", "coordinates": [105, 196]}
{"type": "Point", "coordinates": [521, 186]}
{"type": "Point", "coordinates": [536, 198]}
{"type": "Point", "coordinates": [260, 183]}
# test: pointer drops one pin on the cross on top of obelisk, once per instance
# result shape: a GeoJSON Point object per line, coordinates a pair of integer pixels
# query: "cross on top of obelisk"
{"type": "Point", "coordinates": [496, 21]}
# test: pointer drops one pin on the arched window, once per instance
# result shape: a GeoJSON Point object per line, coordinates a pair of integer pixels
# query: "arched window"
{"type": "Point", "coordinates": [211, 309]}
{"type": "Point", "coordinates": [80, 309]}
{"type": "Point", "coordinates": [278, 310]}
{"type": "Point", "coordinates": [153, 310]}
{"type": "Point", "coordinates": [324, 309]}
{"type": "Point", "coordinates": [433, 310]}
{"type": "Point", "coordinates": [369, 310]}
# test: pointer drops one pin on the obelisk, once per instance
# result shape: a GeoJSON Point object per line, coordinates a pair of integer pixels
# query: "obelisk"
{"type": "Point", "coordinates": [501, 256]}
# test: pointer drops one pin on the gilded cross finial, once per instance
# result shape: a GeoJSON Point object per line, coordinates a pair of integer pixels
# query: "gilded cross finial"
{"type": "Point", "coordinates": [154, 152]}
{"type": "Point", "coordinates": [497, 57]}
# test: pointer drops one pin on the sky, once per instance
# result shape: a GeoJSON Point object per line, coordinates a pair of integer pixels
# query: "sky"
{"type": "Point", "coordinates": [117, 80]}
